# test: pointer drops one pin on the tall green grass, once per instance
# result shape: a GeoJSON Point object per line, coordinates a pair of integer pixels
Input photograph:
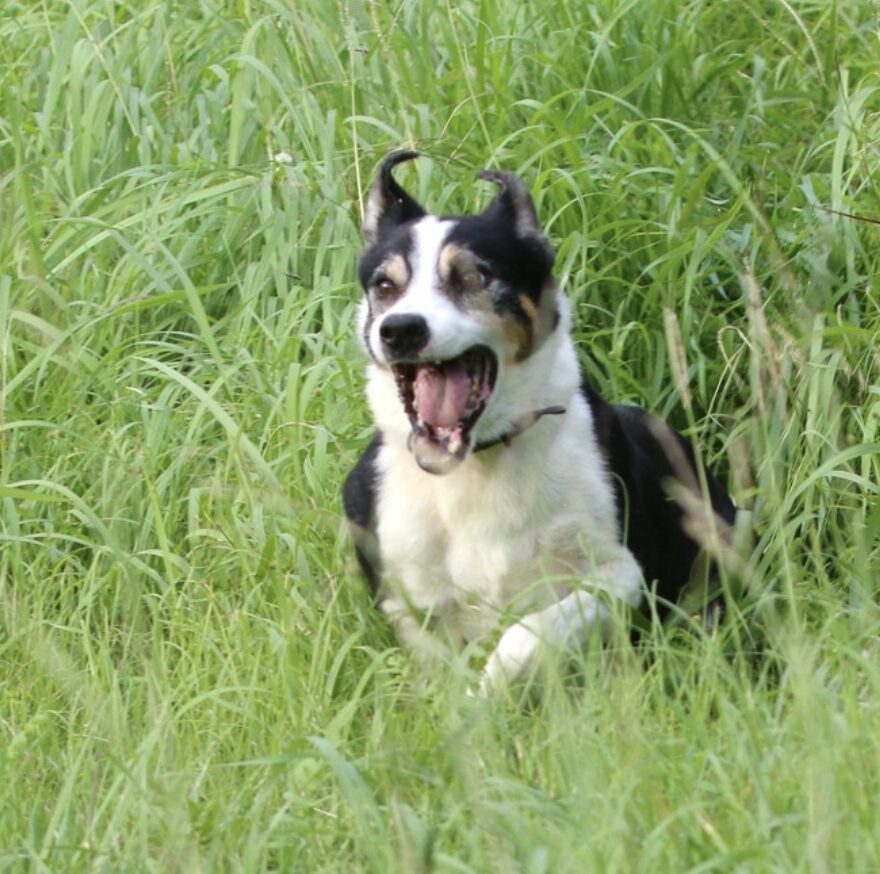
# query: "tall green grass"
{"type": "Point", "coordinates": [191, 675]}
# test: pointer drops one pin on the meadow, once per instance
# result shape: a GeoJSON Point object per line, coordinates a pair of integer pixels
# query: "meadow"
{"type": "Point", "coordinates": [192, 675]}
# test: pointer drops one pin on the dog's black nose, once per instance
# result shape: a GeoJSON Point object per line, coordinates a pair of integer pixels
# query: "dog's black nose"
{"type": "Point", "coordinates": [404, 334]}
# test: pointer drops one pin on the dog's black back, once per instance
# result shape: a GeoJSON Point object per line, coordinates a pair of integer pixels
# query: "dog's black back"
{"type": "Point", "coordinates": [643, 469]}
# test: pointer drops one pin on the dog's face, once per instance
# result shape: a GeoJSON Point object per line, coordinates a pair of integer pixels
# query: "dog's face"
{"type": "Point", "coordinates": [450, 303]}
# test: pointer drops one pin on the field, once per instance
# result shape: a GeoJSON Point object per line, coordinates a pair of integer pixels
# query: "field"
{"type": "Point", "coordinates": [192, 677]}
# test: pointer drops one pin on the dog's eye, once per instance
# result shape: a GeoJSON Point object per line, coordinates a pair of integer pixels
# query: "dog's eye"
{"type": "Point", "coordinates": [384, 286]}
{"type": "Point", "coordinates": [476, 278]}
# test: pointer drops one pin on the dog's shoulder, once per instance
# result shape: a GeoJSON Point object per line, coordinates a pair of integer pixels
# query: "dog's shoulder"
{"type": "Point", "coordinates": [359, 502]}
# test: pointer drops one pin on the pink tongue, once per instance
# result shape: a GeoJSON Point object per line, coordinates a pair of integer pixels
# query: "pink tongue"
{"type": "Point", "coordinates": [441, 395]}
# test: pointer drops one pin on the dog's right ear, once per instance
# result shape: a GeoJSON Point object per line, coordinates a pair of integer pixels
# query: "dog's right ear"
{"type": "Point", "coordinates": [388, 204]}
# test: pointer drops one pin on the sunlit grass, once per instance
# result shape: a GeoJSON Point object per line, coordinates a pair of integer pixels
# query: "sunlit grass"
{"type": "Point", "coordinates": [191, 674]}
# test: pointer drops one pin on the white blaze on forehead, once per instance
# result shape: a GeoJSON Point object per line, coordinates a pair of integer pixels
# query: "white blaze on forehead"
{"type": "Point", "coordinates": [428, 236]}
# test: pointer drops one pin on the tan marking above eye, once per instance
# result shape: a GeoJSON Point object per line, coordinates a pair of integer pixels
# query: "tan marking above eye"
{"type": "Point", "coordinates": [391, 276]}
{"type": "Point", "coordinates": [458, 262]}
{"type": "Point", "coordinates": [455, 258]}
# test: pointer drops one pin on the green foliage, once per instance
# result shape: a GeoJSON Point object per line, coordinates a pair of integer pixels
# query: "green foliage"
{"type": "Point", "coordinates": [191, 675]}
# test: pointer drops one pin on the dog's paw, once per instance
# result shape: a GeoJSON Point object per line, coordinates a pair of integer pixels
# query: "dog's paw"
{"type": "Point", "coordinates": [512, 660]}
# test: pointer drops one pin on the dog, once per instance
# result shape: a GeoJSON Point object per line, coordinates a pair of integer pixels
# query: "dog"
{"type": "Point", "coordinates": [500, 492]}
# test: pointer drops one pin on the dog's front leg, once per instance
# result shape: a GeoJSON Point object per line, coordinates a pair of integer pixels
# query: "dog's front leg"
{"type": "Point", "coordinates": [563, 627]}
{"type": "Point", "coordinates": [412, 633]}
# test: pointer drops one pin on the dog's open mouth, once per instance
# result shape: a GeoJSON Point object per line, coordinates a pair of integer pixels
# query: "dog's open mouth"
{"type": "Point", "coordinates": [444, 400]}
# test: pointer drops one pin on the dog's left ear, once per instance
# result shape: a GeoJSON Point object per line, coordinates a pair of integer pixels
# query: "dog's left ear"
{"type": "Point", "coordinates": [388, 204]}
{"type": "Point", "coordinates": [513, 202]}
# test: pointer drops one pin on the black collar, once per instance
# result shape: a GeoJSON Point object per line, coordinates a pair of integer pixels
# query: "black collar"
{"type": "Point", "coordinates": [523, 423]}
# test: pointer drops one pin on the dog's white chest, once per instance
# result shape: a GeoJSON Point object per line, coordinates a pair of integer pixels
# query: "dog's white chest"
{"type": "Point", "coordinates": [497, 535]}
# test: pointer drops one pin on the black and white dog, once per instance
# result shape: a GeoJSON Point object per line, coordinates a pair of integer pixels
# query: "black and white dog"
{"type": "Point", "coordinates": [499, 486]}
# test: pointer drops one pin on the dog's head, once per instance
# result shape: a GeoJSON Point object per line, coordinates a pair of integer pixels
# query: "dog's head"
{"type": "Point", "coordinates": [450, 303]}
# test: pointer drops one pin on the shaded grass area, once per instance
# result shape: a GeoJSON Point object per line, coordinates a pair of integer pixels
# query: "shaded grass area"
{"type": "Point", "coordinates": [192, 675]}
